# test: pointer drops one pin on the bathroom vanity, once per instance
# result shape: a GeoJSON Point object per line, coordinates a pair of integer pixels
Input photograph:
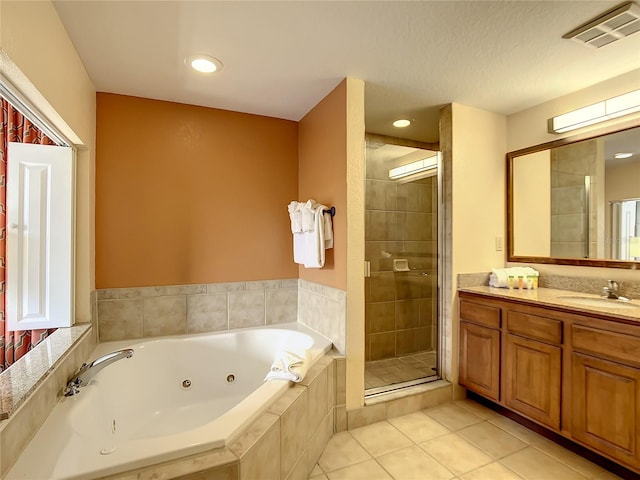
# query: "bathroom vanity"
{"type": "Point", "coordinates": [567, 361]}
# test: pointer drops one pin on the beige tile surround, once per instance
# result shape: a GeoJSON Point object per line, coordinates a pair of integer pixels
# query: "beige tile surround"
{"type": "Point", "coordinates": [283, 443]}
{"type": "Point", "coordinates": [120, 314]}
{"type": "Point", "coordinates": [130, 313]}
{"type": "Point", "coordinates": [19, 428]}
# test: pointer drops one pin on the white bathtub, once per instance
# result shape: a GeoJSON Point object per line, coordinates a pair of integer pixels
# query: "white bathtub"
{"type": "Point", "coordinates": [137, 411]}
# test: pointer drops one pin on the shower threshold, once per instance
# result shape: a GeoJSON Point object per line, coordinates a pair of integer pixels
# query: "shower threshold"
{"type": "Point", "coordinates": [378, 391]}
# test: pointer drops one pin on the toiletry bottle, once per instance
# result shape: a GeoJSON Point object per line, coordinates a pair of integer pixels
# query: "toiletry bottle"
{"type": "Point", "coordinates": [520, 282]}
{"type": "Point", "coordinates": [535, 282]}
{"type": "Point", "coordinates": [510, 282]}
{"type": "Point", "coordinates": [529, 282]}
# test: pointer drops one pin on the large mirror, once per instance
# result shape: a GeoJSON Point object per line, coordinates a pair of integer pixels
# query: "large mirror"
{"type": "Point", "coordinates": [576, 201]}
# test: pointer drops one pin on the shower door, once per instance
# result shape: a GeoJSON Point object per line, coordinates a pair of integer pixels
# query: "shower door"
{"type": "Point", "coordinates": [401, 251]}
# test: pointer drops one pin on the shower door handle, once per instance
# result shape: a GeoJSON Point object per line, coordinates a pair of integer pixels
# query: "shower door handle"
{"type": "Point", "coordinates": [367, 269]}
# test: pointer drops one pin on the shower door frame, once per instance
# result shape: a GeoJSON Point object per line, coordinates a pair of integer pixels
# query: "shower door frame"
{"type": "Point", "coordinates": [439, 293]}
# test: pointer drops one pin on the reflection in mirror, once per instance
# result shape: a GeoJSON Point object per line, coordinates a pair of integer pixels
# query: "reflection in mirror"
{"type": "Point", "coordinates": [576, 202]}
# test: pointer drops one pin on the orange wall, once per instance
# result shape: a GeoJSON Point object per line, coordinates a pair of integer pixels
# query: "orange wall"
{"type": "Point", "coordinates": [322, 163]}
{"type": "Point", "coordinates": [188, 194]}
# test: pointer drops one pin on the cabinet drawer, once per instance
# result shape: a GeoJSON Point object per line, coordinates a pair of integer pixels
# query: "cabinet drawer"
{"type": "Point", "coordinates": [481, 314]}
{"type": "Point", "coordinates": [619, 346]}
{"type": "Point", "coordinates": [534, 326]}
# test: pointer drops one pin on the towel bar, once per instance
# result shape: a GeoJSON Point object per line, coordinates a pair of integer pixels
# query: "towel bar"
{"type": "Point", "coordinates": [332, 211]}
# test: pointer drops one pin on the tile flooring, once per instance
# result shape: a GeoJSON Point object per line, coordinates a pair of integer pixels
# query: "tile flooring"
{"type": "Point", "coordinates": [461, 440]}
{"type": "Point", "coordinates": [379, 373]}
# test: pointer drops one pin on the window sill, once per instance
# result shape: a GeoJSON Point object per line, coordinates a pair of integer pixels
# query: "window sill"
{"type": "Point", "coordinates": [24, 376]}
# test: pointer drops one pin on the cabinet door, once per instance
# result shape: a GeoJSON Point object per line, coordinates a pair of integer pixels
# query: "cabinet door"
{"type": "Point", "coordinates": [480, 359]}
{"type": "Point", "coordinates": [606, 407]}
{"type": "Point", "coordinates": [531, 376]}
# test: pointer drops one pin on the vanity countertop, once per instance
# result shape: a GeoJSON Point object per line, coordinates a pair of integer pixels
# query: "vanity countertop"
{"type": "Point", "coordinates": [565, 299]}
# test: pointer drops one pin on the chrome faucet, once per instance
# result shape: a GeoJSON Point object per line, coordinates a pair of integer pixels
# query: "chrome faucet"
{"type": "Point", "coordinates": [611, 291]}
{"type": "Point", "coordinates": [87, 371]}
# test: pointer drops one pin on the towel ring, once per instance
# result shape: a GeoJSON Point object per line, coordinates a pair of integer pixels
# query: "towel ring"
{"type": "Point", "coordinates": [332, 211]}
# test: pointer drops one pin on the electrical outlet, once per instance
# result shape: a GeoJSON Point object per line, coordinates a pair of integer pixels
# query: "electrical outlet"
{"type": "Point", "coordinates": [499, 243]}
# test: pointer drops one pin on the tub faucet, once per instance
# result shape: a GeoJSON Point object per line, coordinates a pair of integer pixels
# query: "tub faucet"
{"type": "Point", "coordinates": [88, 371]}
{"type": "Point", "coordinates": [611, 291]}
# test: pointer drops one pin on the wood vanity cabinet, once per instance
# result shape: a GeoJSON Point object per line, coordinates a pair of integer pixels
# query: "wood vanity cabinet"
{"type": "Point", "coordinates": [576, 374]}
{"type": "Point", "coordinates": [605, 389]}
{"type": "Point", "coordinates": [480, 348]}
{"type": "Point", "coordinates": [532, 366]}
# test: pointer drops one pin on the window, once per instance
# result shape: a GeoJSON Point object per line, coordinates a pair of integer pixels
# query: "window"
{"type": "Point", "coordinates": [39, 284]}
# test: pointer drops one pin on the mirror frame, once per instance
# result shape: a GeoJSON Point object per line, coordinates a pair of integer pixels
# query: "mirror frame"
{"type": "Point", "coordinates": [586, 262]}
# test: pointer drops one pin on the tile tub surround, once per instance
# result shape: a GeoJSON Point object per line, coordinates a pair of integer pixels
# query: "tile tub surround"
{"type": "Point", "coordinates": [324, 309]}
{"type": "Point", "coordinates": [129, 313]}
{"type": "Point", "coordinates": [31, 389]}
{"type": "Point", "coordinates": [283, 443]}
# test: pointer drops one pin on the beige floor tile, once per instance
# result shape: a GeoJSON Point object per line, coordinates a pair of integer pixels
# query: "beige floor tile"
{"type": "Point", "coordinates": [517, 430]}
{"type": "Point", "coordinates": [369, 470]}
{"type": "Point", "coordinates": [492, 440]}
{"type": "Point", "coordinates": [493, 471]}
{"type": "Point", "coordinates": [476, 408]}
{"type": "Point", "coordinates": [380, 438]}
{"type": "Point", "coordinates": [316, 471]}
{"type": "Point", "coordinates": [322, 476]}
{"type": "Point", "coordinates": [605, 475]}
{"type": "Point", "coordinates": [455, 453]}
{"type": "Point", "coordinates": [571, 459]}
{"type": "Point", "coordinates": [419, 427]}
{"type": "Point", "coordinates": [341, 451]}
{"type": "Point", "coordinates": [413, 463]}
{"type": "Point", "coordinates": [532, 464]}
{"type": "Point", "coordinates": [452, 416]}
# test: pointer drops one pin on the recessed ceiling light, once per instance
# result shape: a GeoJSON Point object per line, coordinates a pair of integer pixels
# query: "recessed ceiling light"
{"type": "Point", "coordinates": [623, 155]}
{"type": "Point", "coordinates": [402, 123]}
{"type": "Point", "coordinates": [204, 63]}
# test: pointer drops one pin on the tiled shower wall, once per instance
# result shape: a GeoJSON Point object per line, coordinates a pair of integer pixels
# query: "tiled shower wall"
{"type": "Point", "coordinates": [569, 166]}
{"type": "Point", "coordinates": [129, 313]}
{"type": "Point", "coordinates": [400, 223]}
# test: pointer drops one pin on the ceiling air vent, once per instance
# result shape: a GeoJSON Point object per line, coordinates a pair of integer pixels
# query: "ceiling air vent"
{"type": "Point", "coordinates": [612, 25]}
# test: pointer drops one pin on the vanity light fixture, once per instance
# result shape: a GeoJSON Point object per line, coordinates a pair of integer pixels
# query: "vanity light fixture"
{"type": "Point", "coordinates": [402, 123]}
{"type": "Point", "coordinates": [596, 113]}
{"type": "Point", "coordinates": [612, 25]}
{"type": "Point", "coordinates": [623, 155]}
{"type": "Point", "coordinates": [203, 63]}
{"type": "Point", "coordinates": [413, 168]}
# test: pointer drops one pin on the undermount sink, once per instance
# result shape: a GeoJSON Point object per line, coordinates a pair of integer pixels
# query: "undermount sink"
{"type": "Point", "coordinates": [598, 302]}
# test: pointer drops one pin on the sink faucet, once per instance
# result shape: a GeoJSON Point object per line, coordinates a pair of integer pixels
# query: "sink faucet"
{"type": "Point", "coordinates": [87, 371]}
{"type": "Point", "coordinates": [611, 291]}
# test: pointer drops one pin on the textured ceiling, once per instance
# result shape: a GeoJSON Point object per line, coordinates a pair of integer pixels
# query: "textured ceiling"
{"type": "Point", "coordinates": [281, 58]}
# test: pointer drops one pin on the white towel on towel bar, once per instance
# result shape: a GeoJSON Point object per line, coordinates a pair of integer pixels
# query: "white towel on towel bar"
{"type": "Point", "coordinates": [308, 216]}
{"type": "Point", "coordinates": [312, 230]}
{"type": "Point", "coordinates": [295, 214]}
{"type": "Point", "coordinates": [328, 230]}
{"type": "Point", "coordinates": [314, 245]}
{"type": "Point", "coordinates": [289, 365]}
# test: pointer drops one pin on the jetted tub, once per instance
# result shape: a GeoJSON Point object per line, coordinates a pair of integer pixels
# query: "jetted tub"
{"type": "Point", "coordinates": [176, 396]}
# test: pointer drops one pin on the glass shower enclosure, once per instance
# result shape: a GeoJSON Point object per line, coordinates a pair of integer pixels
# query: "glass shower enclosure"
{"type": "Point", "coordinates": [401, 254]}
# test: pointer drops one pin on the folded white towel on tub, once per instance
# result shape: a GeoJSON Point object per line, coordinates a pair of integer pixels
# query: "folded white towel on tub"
{"type": "Point", "coordinates": [289, 365]}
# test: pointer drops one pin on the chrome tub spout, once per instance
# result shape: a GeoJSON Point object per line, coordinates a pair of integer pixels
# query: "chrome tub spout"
{"type": "Point", "coordinates": [87, 371]}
